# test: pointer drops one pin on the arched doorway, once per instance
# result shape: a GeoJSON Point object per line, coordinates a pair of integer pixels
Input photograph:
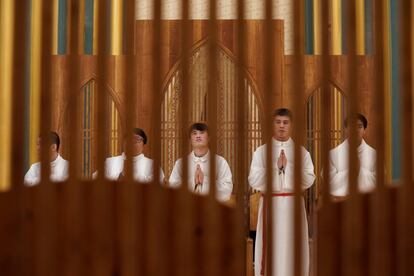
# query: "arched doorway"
{"type": "Point", "coordinates": [87, 122]}
{"type": "Point", "coordinates": [227, 101]}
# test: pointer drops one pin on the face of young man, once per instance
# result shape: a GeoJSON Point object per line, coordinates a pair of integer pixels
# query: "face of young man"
{"type": "Point", "coordinates": [199, 139]}
{"type": "Point", "coordinates": [137, 144]}
{"type": "Point", "coordinates": [360, 131]}
{"type": "Point", "coordinates": [281, 128]}
{"type": "Point", "coordinates": [52, 151]}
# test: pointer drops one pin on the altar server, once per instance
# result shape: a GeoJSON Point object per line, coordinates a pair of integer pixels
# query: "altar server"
{"type": "Point", "coordinates": [142, 165]}
{"type": "Point", "coordinates": [199, 167]}
{"type": "Point", "coordinates": [366, 162]}
{"type": "Point", "coordinates": [59, 167]}
{"type": "Point", "coordinates": [282, 202]}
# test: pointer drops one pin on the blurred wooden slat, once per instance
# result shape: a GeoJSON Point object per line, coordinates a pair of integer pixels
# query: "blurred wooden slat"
{"type": "Point", "coordinates": [128, 231]}
{"type": "Point", "coordinates": [268, 86]}
{"type": "Point", "coordinates": [353, 257]}
{"type": "Point", "coordinates": [244, 249]}
{"type": "Point", "coordinates": [405, 241]}
{"type": "Point", "coordinates": [12, 232]}
{"type": "Point", "coordinates": [380, 250]}
{"type": "Point", "coordinates": [73, 240]}
{"type": "Point", "coordinates": [46, 245]}
{"type": "Point", "coordinates": [185, 216]}
{"type": "Point", "coordinates": [328, 227]}
{"type": "Point", "coordinates": [157, 240]}
{"type": "Point", "coordinates": [298, 84]}
{"type": "Point", "coordinates": [213, 245]}
{"type": "Point", "coordinates": [102, 200]}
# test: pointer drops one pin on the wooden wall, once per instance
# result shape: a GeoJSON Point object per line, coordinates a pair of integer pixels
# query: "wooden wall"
{"type": "Point", "coordinates": [171, 54]}
{"type": "Point", "coordinates": [339, 77]}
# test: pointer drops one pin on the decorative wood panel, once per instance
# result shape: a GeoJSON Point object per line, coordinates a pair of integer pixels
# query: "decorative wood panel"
{"type": "Point", "coordinates": [227, 104]}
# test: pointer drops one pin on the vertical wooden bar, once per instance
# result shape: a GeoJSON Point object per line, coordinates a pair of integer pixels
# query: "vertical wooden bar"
{"type": "Point", "coordinates": [103, 55]}
{"type": "Point", "coordinates": [268, 126]}
{"type": "Point", "coordinates": [101, 212]}
{"type": "Point", "coordinates": [45, 196]}
{"type": "Point", "coordinates": [212, 74]}
{"type": "Point", "coordinates": [298, 81]}
{"type": "Point", "coordinates": [214, 243]}
{"type": "Point", "coordinates": [45, 110]}
{"type": "Point", "coordinates": [73, 224]}
{"type": "Point", "coordinates": [116, 18]}
{"type": "Point", "coordinates": [157, 240]}
{"type": "Point", "coordinates": [405, 241]}
{"type": "Point", "coordinates": [19, 25]}
{"type": "Point", "coordinates": [130, 261]}
{"type": "Point", "coordinates": [336, 34]}
{"type": "Point", "coordinates": [242, 197]}
{"type": "Point", "coordinates": [6, 79]}
{"type": "Point", "coordinates": [352, 260]}
{"type": "Point", "coordinates": [328, 220]}
{"type": "Point", "coordinates": [380, 251]}
{"type": "Point", "coordinates": [183, 244]}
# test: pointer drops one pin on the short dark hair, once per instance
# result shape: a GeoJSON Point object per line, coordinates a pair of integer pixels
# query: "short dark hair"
{"type": "Point", "coordinates": [283, 112]}
{"type": "Point", "coordinates": [198, 126]}
{"type": "Point", "coordinates": [358, 117]}
{"type": "Point", "coordinates": [140, 132]}
{"type": "Point", "coordinates": [54, 139]}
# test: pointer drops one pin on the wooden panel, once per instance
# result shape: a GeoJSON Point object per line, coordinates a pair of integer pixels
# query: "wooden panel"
{"type": "Point", "coordinates": [171, 55]}
{"type": "Point", "coordinates": [313, 80]}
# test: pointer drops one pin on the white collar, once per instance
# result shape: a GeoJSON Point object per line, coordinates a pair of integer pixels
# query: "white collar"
{"type": "Point", "coordinates": [359, 148]}
{"type": "Point", "coordinates": [200, 159]}
{"type": "Point", "coordinates": [57, 159]}
{"type": "Point", "coordinates": [287, 143]}
{"type": "Point", "coordinates": [135, 158]}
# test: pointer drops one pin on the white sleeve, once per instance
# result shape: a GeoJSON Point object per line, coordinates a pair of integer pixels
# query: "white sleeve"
{"type": "Point", "coordinates": [338, 180]}
{"type": "Point", "coordinates": [113, 169]}
{"type": "Point", "coordinates": [257, 174]}
{"type": "Point", "coordinates": [366, 180]}
{"type": "Point", "coordinates": [224, 181]}
{"type": "Point", "coordinates": [162, 176]}
{"type": "Point", "coordinates": [31, 178]}
{"type": "Point", "coordinates": [176, 175]}
{"type": "Point", "coordinates": [308, 176]}
{"type": "Point", "coordinates": [65, 172]}
{"type": "Point", "coordinates": [149, 176]}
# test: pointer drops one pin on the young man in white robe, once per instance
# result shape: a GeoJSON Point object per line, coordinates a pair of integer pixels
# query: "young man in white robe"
{"type": "Point", "coordinates": [59, 167]}
{"type": "Point", "coordinates": [199, 167]}
{"type": "Point", "coordinates": [142, 165]}
{"type": "Point", "coordinates": [282, 199]}
{"type": "Point", "coordinates": [339, 162]}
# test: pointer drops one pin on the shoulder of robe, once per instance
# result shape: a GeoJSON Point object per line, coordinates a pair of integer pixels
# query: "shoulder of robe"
{"type": "Point", "coordinates": [113, 159]}
{"type": "Point", "coordinates": [148, 159]}
{"type": "Point", "coordinates": [261, 148]}
{"type": "Point", "coordinates": [221, 161]}
{"type": "Point", "coordinates": [178, 162]}
{"type": "Point", "coordinates": [304, 150]}
{"type": "Point", "coordinates": [35, 166]}
{"type": "Point", "coordinates": [220, 158]}
{"type": "Point", "coordinates": [336, 149]}
{"type": "Point", "coordinates": [370, 149]}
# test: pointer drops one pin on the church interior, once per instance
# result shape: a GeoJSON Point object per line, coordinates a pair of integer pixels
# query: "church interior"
{"type": "Point", "coordinates": [328, 83]}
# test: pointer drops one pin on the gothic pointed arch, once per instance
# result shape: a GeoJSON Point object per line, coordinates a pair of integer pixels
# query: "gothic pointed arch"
{"type": "Point", "coordinates": [227, 101]}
